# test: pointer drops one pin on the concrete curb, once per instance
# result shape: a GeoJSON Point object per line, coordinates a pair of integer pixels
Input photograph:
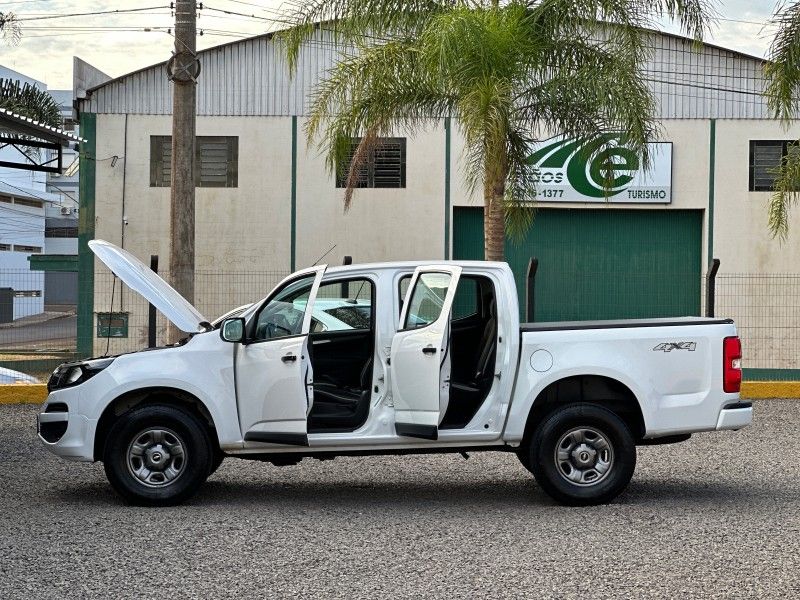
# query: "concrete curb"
{"type": "Point", "coordinates": [755, 390]}
{"type": "Point", "coordinates": [23, 393]}
{"type": "Point", "coordinates": [35, 393]}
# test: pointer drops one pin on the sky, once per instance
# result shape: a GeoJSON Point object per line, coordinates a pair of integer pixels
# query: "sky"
{"type": "Point", "coordinates": [120, 43]}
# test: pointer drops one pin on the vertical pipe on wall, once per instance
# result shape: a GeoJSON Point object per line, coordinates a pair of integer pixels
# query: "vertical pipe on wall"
{"type": "Point", "coordinates": [712, 150]}
{"type": "Point", "coordinates": [447, 188]}
{"type": "Point", "coordinates": [123, 220]}
{"type": "Point", "coordinates": [293, 250]}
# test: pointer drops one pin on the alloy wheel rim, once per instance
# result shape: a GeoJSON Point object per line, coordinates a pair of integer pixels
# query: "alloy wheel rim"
{"type": "Point", "coordinates": [584, 456]}
{"type": "Point", "coordinates": [156, 457]}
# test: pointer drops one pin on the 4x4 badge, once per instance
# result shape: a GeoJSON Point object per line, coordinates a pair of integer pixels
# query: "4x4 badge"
{"type": "Point", "coordinates": [670, 346]}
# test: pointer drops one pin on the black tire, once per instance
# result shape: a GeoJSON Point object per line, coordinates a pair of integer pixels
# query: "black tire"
{"type": "Point", "coordinates": [599, 428]}
{"type": "Point", "coordinates": [216, 461]}
{"type": "Point", "coordinates": [181, 432]}
{"type": "Point", "coordinates": [524, 456]}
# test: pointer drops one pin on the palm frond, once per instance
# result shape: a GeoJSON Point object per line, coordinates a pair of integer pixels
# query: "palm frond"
{"type": "Point", "coordinates": [10, 29]}
{"type": "Point", "coordinates": [786, 193]}
{"type": "Point", "coordinates": [29, 101]}
{"type": "Point", "coordinates": [782, 70]}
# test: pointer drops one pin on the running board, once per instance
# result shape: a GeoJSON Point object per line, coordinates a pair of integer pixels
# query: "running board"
{"type": "Point", "coordinates": [425, 432]}
{"type": "Point", "coordinates": [276, 437]}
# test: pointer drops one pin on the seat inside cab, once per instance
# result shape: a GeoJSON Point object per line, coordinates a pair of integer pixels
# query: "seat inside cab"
{"type": "Point", "coordinates": [341, 348]}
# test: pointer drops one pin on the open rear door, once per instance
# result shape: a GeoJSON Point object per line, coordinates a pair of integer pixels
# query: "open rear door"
{"type": "Point", "coordinates": [420, 357]}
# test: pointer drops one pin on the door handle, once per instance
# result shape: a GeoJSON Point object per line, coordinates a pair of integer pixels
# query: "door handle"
{"type": "Point", "coordinates": [429, 350]}
{"type": "Point", "coordinates": [288, 358]}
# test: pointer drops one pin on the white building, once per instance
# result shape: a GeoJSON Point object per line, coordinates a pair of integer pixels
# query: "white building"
{"type": "Point", "coordinates": [265, 202]}
{"type": "Point", "coordinates": [38, 215]}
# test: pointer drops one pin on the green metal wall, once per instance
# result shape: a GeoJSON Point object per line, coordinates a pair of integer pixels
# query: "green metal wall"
{"type": "Point", "coordinates": [601, 263]}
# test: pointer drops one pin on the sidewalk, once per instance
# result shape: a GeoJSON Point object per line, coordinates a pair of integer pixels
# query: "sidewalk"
{"type": "Point", "coordinates": [38, 319]}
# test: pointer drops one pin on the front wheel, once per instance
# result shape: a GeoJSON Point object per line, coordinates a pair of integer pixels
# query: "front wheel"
{"type": "Point", "coordinates": [582, 454]}
{"type": "Point", "coordinates": [157, 455]}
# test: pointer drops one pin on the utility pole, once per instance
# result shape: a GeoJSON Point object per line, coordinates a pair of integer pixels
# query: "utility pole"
{"type": "Point", "coordinates": [183, 69]}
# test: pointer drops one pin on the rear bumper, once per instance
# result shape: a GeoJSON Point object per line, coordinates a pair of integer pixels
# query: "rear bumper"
{"type": "Point", "coordinates": [735, 416]}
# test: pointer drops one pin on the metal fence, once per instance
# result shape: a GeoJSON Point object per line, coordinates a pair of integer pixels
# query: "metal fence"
{"type": "Point", "coordinates": [122, 325]}
{"type": "Point", "coordinates": [766, 309]}
{"type": "Point", "coordinates": [36, 335]}
{"type": "Point", "coordinates": [37, 327]}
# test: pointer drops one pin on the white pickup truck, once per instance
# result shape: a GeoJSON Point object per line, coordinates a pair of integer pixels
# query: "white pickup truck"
{"type": "Point", "coordinates": [390, 358]}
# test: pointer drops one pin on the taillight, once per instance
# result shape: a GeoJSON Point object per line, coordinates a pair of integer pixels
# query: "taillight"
{"type": "Point", "coordinates": [731, 365]}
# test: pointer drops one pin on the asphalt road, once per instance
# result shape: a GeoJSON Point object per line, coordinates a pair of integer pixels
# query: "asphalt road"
{"type": "Point", "coordinates": [55, 333]}
{"type": "Point", "coordinates": [717, 516]}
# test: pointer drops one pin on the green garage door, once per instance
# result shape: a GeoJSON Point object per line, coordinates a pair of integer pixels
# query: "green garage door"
{"type": "Point", "coordinates": [601, 264]}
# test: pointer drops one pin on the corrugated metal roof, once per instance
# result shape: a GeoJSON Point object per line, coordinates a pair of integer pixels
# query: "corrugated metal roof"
{"type": "Point", "coordinates": [11, 121]}
{"type": "Point", "coordinates": [250, 78]}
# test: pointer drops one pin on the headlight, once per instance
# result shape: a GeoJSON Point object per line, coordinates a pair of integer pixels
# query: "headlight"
{"type": "Point", "coordinates": [71, 374]}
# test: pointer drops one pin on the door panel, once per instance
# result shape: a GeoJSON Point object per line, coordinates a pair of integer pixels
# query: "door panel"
{"type": "Point", "coordinates": [419, 355]}
{"type": "Point", "coordinates": [273, 370]}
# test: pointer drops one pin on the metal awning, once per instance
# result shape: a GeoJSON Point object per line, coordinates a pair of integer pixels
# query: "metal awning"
{"type": "Point", "coordinates": [23, 133]}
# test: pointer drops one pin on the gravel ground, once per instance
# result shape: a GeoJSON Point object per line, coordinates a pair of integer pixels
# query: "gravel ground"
{"type": "Point", "coordinates": [717, 516]}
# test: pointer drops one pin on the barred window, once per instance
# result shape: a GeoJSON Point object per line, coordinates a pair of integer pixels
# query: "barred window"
{"type": "Point", "coordinates": [217, 161]}
{"type": "Point", "coordinates": [384, 168]}
{"type": "Point", "coordinates": [765, 162]}
{"type": "Point", "coordinates": [25, 248]}
{"type": "Point", "coordinates": [29, 202]}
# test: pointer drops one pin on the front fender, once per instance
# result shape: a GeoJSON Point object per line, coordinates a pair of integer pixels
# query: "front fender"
{"type": "Point", "coordinates": [202, 368]}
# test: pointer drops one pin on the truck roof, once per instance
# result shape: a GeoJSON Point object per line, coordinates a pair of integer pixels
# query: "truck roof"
{"type": "Point", "coordinates": [413, 264]}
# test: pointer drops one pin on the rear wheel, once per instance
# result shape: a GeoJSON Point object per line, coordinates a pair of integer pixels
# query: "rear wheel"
{"type": "Point", "coordinates": [157, 455]}
{"type": "Point", "coordinates": [582, 454]}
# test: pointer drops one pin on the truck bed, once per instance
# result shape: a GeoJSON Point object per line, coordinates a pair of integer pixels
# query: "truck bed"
{"type": "Point", "coordinates": [621, 323]}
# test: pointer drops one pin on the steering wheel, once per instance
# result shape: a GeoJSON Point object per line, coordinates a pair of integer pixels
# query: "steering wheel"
{"type": "Point", "coordinates": [273, 328]}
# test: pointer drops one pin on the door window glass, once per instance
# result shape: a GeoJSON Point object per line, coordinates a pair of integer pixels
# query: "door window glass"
{"type": "Point", "coordinates": [283, 314]}
{"type": "Point", "coordinates": [427, 299]}
{"type": "Point", "coordinates": [466, 300]}
{"type": "Point", "coordinates": [343, 305]}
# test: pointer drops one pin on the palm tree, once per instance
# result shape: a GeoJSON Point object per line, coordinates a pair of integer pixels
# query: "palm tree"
{"type": "Point", "coordinates": [29, 101]}
{"type": "Point", "coordinates": [782, 72]}
{"type": "Point", "coordinates": [505, 73]}
{"type": "Point", "coordinates": [9, 28]}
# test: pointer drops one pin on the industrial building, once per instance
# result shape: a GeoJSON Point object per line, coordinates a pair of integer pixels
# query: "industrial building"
{"type": "Point", "coordinates": [266, 203]}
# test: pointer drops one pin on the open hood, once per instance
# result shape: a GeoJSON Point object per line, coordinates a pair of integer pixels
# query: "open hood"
{"type": "Point", "coordinates": [149, 285]}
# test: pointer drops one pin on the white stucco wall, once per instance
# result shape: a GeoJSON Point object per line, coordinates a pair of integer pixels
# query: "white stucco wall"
{"type": "Point", "coordinates": [381, 224]}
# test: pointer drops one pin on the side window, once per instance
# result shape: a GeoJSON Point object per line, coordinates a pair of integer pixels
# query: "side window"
{"type": "Point", "coordinates": [402, 290]}
{"type": "Point", "coordinates": [343, 305]}
{"type": "Point", "coordinates": [766, 158]}
{"type": "Point", "coordinates": [427, 300]}
{"type": "Point", "coordinates": [283, 314]}
{"type": "Point", "coordinates": [467, 298]}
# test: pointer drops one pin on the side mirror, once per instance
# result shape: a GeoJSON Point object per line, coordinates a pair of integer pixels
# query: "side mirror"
{"type": "Point", "coordinates": [232, 330]}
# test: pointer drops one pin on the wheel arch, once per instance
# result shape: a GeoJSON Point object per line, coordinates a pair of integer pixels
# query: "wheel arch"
{"type": "Point", "coordinates": [150, 395]}
{"type": "Point", "coordinates": [603, 390]}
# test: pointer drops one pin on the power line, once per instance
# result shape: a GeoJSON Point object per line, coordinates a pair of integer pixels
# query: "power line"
{"type": "Point", "coordinates": [88, 14]}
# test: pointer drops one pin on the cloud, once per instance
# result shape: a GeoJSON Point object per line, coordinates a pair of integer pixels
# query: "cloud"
{"type": "Point", "coordinates": [48, 45]}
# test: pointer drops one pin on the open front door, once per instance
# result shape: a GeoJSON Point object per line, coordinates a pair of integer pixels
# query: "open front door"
{"type": "Point", "coordinates": [274, 378]}
{"type": "Point", "coordinates": [420, 357]}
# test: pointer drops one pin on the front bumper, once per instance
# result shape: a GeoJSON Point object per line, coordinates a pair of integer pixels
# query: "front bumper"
{"type": "Point", "coordinates": [65, 433]}
{"type": "Point", "coordinates": [735, 416]}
